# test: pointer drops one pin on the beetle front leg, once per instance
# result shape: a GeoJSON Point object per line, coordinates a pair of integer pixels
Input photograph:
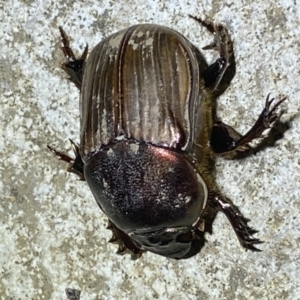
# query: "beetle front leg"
{"type": "Point", "coordinates": [125, 242]}
{"type": "Point", "coordinates": [74, 66]}
{"type": "Point", "coordinates": [238, 221]}
{"type": "Point", "coordinates": [75, 165]}
{"type": "Point", "coordinates": [225, 139]}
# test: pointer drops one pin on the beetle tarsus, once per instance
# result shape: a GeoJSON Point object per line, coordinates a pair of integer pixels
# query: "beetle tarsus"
{"type": "Point", "coordinates": [266, 118]}
{"type": "Point", "coordinates": [226, 139]}
{"type": "Point", "coordinates": [61, 155]}
{"type": "Point", "coordinates": [209, 25]}
{"type": "Point", "coordinates": [221, 43]}
{"type": "Point", "coordinates": [68, 52]}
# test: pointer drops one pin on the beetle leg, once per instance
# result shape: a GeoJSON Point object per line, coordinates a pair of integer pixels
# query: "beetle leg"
{"type": "Point", "coordinates": [74, 66]}
{"type": "Point", "coordinates": [75, 165]}
{"type": "Point", "coordinates": [221, 43]}
{"type": "Point", "coordinates": [238, 221]}
{"type": "Point", "coordinates": [225, 139]}
{"type": "Point", "coordinates": [125, 242]}
{"type": "Point", "coordinates": [73, 294]}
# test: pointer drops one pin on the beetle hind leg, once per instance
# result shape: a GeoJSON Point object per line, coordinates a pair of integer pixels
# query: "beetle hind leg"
{"type": "Point", "coordinates": [223, 44]}
{"type": "Point", "coordinates": [75, 165]}
{"type": "Point", "coordinates": [243, 232]}
{"type": "Point", "coordinates": [225, 139]}
{"type": "Point", "coordinates": [74, 66]}
{"type": "Point", "coordinates": [125, 242]}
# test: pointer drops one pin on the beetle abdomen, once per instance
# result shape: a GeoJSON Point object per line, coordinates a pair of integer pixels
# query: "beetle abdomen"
{"type": "Point", "coordinates": [142, 83]}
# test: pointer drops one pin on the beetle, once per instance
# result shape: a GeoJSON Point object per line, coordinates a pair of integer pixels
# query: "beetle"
{"type": "Point", "coordinates": [149, 133]}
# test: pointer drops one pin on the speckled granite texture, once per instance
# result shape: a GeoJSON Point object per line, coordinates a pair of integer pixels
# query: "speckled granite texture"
{"type": "Point", "coordinates": [52, 234]}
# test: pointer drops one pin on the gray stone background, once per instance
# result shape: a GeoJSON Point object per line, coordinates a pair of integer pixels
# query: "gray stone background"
{"type": "Point", "coordinates": [52, 234]}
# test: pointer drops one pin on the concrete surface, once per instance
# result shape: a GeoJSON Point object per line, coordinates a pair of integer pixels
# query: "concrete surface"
{"type": "Point", "coordinates": [52, 234]}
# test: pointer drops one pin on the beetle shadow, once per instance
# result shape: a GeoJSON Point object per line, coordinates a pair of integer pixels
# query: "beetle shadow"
{"type": "Point", "coordinates": [276, 133]}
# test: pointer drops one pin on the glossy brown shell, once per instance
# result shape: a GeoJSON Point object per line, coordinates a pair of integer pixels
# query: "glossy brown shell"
{"type": "Point", "coordinates": [142, 83]}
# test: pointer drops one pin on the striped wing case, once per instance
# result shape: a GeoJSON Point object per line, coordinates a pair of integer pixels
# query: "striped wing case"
{"type": "Point", "coordinates": [142, 83]}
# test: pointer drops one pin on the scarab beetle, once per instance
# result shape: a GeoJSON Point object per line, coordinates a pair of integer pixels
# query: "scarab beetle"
{"type": "Point", "coordinates": [149, 133]}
